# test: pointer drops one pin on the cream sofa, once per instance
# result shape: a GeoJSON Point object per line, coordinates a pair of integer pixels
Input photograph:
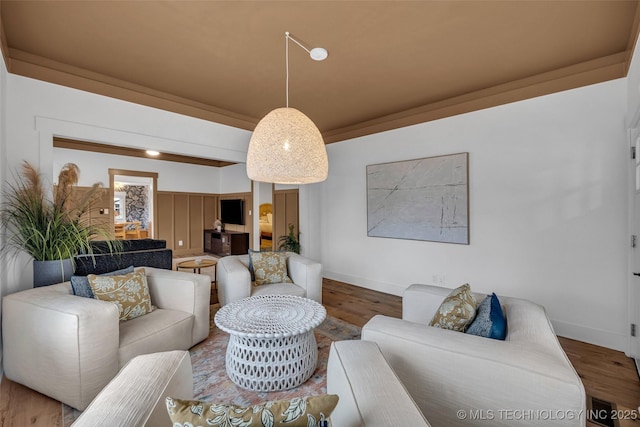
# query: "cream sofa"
{"type": "Point", "coordinates": [465, 380]}
{"type": "Point", "coordinates": [370, 392]}
{"type": "Point", "coordinates": [68, 347]}
{"type": "Point", "coordinates": [136, 396]}
{"type": "Point", "coordinates": [234, 280]}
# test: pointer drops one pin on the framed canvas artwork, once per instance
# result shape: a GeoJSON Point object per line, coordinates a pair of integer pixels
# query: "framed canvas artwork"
{"type": "Point", "coordinates": [421, 199]}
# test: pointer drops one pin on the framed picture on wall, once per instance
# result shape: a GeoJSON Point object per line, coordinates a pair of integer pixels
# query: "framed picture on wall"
{"type": "Point", "coordinates": [420, 199]}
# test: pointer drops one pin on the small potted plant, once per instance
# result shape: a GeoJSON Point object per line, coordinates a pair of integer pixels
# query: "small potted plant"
{"type": "Point", "coordinates": [289, 242]}
{"type": "Point", "coordinates": [51, 229]}
{"type": "Point", "coordinates": [218, 225]}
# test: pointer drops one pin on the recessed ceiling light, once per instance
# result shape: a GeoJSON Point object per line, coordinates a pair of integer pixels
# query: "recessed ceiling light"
{"type": "Point", "coordinates": [153, 152]}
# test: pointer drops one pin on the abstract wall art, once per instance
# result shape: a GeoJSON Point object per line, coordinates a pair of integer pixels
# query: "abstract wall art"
{"type": "Point", "coordinates": [421, 199]}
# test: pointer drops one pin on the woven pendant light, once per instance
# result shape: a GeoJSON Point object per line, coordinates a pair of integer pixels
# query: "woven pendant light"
{"type": "Point", "coordinates": [286, 146]}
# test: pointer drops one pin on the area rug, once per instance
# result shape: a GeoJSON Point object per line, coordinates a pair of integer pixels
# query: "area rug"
{"type": "Point", "coordinates": [210, 378]}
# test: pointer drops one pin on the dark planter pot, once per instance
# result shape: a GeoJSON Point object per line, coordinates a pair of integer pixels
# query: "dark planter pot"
{"type": "Point", "coordinates": [47, 273]}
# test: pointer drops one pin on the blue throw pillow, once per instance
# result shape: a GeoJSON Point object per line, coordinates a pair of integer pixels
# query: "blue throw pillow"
{"type": "Point", "coordinates": [490, 321]}
{"type": "Point", "coordinates": [81, 287]}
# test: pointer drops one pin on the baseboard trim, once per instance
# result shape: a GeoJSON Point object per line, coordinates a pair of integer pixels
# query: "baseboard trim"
{"type": "Point", "coordinates": [592, 336]}
{"type": "Point", "coordinates": [387, 288]}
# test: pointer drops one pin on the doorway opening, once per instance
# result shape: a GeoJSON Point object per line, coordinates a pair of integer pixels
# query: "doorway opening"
{"type": "Point", "coordinates": [134, 203]}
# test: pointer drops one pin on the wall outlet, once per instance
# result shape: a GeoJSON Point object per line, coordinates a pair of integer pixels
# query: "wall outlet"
{"type": "Point", "coordinates": [438, 279]}
{"type": "Point", "coordinates": [179, 242]}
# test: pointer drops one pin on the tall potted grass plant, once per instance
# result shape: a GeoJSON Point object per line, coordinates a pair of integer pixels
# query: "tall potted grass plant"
{"type": "Point", "coordinates": [51, 230]}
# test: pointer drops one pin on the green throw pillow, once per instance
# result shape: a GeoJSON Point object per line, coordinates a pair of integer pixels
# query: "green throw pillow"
{"type": "Point", "coordinates": [269, 267]}
{"type": "Point", "coordinates": [297, 412]}
{"type": "Point", "coordinates": [457, 310]}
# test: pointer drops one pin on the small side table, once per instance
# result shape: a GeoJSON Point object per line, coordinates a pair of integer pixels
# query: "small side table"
{"type": "Point", "coordinates": [196, 266]}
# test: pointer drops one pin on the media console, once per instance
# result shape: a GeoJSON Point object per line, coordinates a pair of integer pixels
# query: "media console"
{"type": "Point", "coordinates": [223, 243]}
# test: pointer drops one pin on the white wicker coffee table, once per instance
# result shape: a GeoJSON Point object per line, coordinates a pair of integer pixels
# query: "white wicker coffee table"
{"type": "Point", "coordinates": [271, 344]}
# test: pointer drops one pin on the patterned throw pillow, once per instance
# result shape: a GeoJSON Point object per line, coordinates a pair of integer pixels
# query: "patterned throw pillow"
{"type": "Point", "coordinates": [297, 412]}
{"type": "Point", "coordinates": [129, 292]}
{"type": "Point", "coordinates": [490, 321]}
{"type": "Point", "coordinates": [80, 284]}
{"type": "Point", "coordinates": [456, 311]}
{"type": "Point", "coordinates": [269, 267]}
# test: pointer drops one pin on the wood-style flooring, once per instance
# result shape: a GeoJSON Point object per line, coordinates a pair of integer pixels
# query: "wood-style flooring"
{"type": "Point", "coordinates": [607, 374]}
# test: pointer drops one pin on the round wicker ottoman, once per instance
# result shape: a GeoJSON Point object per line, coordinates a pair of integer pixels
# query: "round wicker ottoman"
{"type": "Point", "coordinates": [271, 344]}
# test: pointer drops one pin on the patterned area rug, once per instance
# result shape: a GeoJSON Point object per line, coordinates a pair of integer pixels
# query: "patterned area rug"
{"type": "Point", "coordinates": [211, 382]}
{"type": "Point", "coordinates": [210, 378]}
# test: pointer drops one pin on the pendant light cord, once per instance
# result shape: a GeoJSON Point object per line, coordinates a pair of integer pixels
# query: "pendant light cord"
{"type": "Point", "coordinates": [317, 54]}
{"type": "Point", "coordinates": [286, 55]}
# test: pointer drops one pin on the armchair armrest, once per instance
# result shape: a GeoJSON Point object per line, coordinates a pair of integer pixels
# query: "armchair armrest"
{"type": "Point", "coordinates": [181, 291]}
{"type": "Point", "coordinates": [370, 392]}
{"type": "Point", "coordinates": [61, 345]}
{"type": "Point", "coordinates": [136, 396]}
{"type": "Point", "coordinates": [233, 279]}
{"type": "Point", "coordinates": [307, 274]}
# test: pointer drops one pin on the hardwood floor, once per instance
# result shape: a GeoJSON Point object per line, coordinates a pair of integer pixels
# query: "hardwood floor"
{"type": "Point", "coordinates": [607, 374]}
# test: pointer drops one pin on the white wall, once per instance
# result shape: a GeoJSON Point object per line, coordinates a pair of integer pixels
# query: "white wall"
{"type": "Point", "coordinates": [39, 110]}
{"type": "Point", "coordinates": [548, 209]}
{"type": "Point", "coordinates": [3, 177]}
{"type": "Point", "coordinates": [633, 82]}
{"type": "Point", "coordinates": [234, 179]}
{"type": "Point", "coordinates": [633, 122]}
{"type": "Point", "coordinates": [36, 111]}
{"type": "Point", "coordinates": [94, 167]}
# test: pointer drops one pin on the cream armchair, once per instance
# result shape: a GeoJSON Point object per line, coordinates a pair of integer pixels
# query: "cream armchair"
{"type": "Point", "coordinates": [69, 347]}
{"type": "Point", "coordinates": [234, 280]}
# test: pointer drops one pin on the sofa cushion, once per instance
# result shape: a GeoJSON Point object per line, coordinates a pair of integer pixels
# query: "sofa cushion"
{"type": "Point", "coordinates": [129, 292]}
{"type": "Point", "coordinates": [457, 310]}
{"type": "Point", "coordinates": [269, 267]}
{"type": "Point", "coordinates": [136, 252]}
{"type": "Point", "coordinates": [296, 412]}
{"type": "Point", "coordinates": [279, 289]}
{"type": "Point", "coordinates": [128, 245]}
{"type": "Point", "coordinates": [81, 287]}
{"type": "Point", "coordinates": [161, 330]}
{"type": "Point", "coordinates": [489, 321]}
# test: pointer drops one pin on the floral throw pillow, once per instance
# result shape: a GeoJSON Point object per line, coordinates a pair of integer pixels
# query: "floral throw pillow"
{"type": "Point", "coordinates": [129, 292]}
{"type": "Point", "coordinates": [297, 412]}
{"type": "Point", "coordinates": [269, 267]}
{"type": "Point", "coordinates": [457, 310]}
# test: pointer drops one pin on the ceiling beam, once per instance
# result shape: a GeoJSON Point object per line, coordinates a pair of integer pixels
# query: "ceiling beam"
{"type": "Point", "coordinates": [134, 152]}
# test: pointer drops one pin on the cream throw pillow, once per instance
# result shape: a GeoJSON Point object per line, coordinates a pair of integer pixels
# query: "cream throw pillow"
{"type": "Point", "coordinates": [269, 267]}
{"type": "Point", "coordinates": [130, 292]}
{"type": "Point", "coordinates": [297, 412]}
{"type": "Point", "coordinates": [457, 310]}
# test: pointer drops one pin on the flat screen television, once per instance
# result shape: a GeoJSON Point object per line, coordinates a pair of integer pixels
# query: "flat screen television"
{"type": "Point", "coordinates": [232, 211]}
